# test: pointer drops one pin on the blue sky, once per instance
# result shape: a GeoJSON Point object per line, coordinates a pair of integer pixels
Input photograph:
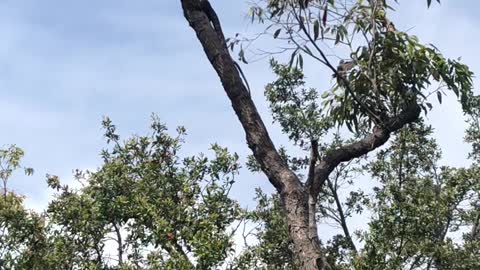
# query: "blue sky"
{"type": "Point", "coordinates": [65, 64]}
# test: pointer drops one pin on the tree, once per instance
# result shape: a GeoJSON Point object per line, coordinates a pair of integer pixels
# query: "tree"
{"type": "Point", "coordinates": [158, 210]}
{"type": "Point", "coordinates": [10, 160]}
{"type": "Point", "coordinates": [21, 231]}
{"type": "Point", "coordinates": [274, 247]}
{"type": "Point", "coordinates": [419, 208]}
{"type": "Point", "coordinates": [423, 216]}
{"type": "Point", "coordinates": [381, 87]}
{"type": "Point", "coordinates": [22, 235]}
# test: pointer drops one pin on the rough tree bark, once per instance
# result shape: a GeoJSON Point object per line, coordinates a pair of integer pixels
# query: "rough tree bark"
{"type": "Point", "coordinates": [298, 199]}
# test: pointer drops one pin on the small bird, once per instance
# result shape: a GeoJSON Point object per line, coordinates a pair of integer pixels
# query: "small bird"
{"type": "Point", "coordinates": [391, 27]}
{"type": "Point", "coordinates": [342, 69]}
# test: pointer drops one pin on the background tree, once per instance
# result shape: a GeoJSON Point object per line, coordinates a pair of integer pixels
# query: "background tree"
{"type": "Point", "coordinates": [274, 249]}
{"type": "Point", "coordinates": [146, 207]}
{"type": "Point", "coordinates": [418, 212]}
{"type": "Point", "coordinates": [423, 215]}
{"type": "Point", "coordinates": [10, 161]}
{"type": "Point", "coordinates": [159, 210]}
{"type": "Point", "coordinates": [22, 236]}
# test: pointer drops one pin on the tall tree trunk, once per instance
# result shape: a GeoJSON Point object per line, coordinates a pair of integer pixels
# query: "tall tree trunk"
{"type": "Point", "coordinates": [303, 230]}
{"type": "Point", "coordinates": [298, 199]}
{"type": "Point", "coordinates": [204, 21]}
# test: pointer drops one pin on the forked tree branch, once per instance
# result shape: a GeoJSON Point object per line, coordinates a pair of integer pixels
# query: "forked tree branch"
{"type": "Point", "coordinates": [377, 138]}
{"type": "Point", "coordinates": [295, 196]}
{"type": "Point", "coordinates": [291, 190]}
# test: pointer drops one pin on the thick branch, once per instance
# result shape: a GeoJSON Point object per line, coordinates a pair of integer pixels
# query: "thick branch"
{"type": "Point", "coordinates": [312, 199]}
{"type": "Point", "coordinates": [204, 21]}
{"type": "Point", "coordinates": [377, 138]}
{"type": "Point", "coordinates": [313, 160]}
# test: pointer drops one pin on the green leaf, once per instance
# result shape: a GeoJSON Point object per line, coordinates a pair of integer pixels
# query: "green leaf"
{"type": "Point", "coordinates": [324, 17]}
{"type": "Point", "coordinates": [301, 22]}
{"type": "Point", "coordinates": [316, 29]}
{"type": "Point", "coordinates": [277, 32]}
{"type": "Point", "coordinates": [292, 57]}
{"type": "Point", "coordinates": [241, 56]}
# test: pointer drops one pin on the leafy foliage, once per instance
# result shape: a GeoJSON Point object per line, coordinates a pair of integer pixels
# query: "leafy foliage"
{"type": "Point", "coordinates": [152, 207]}
{"type": "Point", "coordinates": [10, 158]}
{"type": "Point", "coordinates": [419, 207]}
{"type": "Point", "coordinates": [423, 216]}
{"type": "Point", "coordinates": [296, 109]}
{"type": "Point", "coordinates": [162, 210]}
{"type": "Point", "coordinates": [22, 235]}
{"type": "Point", "coordinates": [384, 72]}
{"type": "Point", "coordinates": [275, 248]}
